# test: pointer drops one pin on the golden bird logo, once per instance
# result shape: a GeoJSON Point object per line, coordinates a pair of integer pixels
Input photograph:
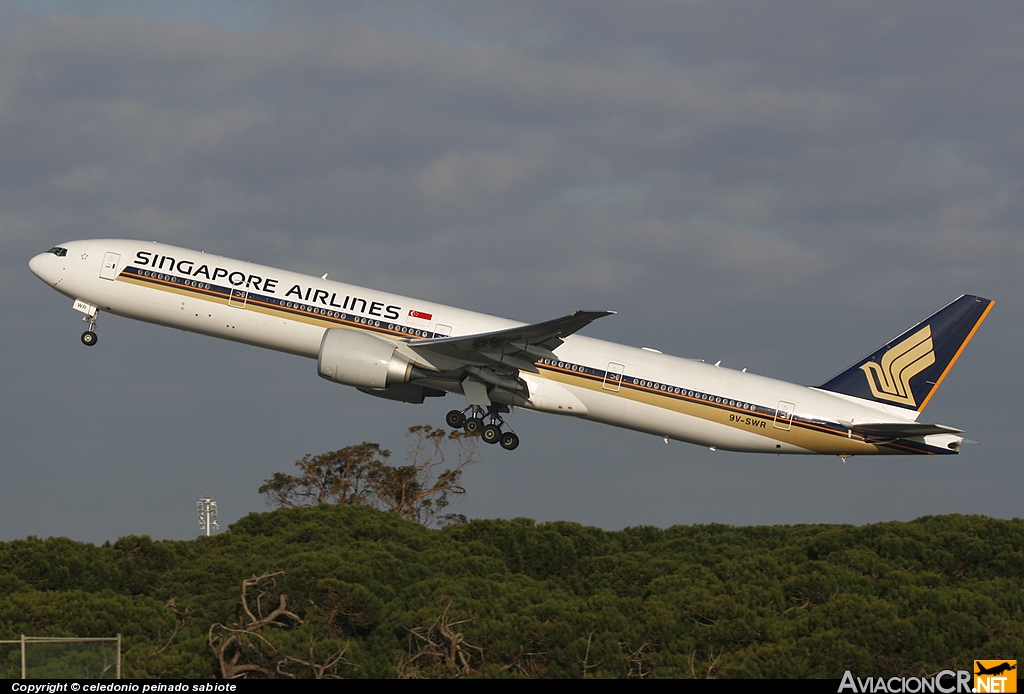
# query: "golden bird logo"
{"type": "Point", "coordinates": [891, 380]}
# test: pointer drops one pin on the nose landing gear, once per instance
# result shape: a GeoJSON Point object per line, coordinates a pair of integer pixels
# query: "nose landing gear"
{"type": "Point", "coordinates": [476, 423]}
{"type": "Point", "coordinates": [89, 337]}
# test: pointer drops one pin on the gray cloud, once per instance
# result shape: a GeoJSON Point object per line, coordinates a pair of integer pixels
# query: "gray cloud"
{"type": "Point", "coordinates": [783, 186]}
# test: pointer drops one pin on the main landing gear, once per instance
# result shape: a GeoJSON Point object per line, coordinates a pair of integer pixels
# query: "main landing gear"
{"type": "Point", "coordinates": [477, 423]}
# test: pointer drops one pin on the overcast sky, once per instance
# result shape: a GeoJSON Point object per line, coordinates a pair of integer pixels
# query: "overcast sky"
{"type": "Point", "coordinates": [783, 186]}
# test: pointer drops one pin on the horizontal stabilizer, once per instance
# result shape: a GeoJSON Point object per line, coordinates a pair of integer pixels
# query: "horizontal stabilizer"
{"type": "Point", "coordinates": [898, 430]}
{"type": "Point", "coordinates": [908, 369]}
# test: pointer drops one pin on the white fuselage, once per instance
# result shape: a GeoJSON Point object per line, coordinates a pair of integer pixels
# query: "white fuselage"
{"type": "Point", "coordinates": [593, 379]}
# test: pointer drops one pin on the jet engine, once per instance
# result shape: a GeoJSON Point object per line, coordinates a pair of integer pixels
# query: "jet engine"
{"type": "Point", "coordinates": [362, 360]}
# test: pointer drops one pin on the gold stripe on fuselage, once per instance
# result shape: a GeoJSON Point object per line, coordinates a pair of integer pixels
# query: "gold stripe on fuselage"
{"type": "Point", "coordinates": [264, 307]}
{"type": "Point", "coordinates": [802, 433]}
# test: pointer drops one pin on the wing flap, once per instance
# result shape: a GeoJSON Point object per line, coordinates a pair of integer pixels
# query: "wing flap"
{"type": "Point", "coordinates": [538, 351]}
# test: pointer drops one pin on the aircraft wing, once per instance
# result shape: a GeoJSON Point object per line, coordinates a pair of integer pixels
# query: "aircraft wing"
{"type": "Point", "coordinates": [515, 348]}
{"type": "Point", "coordinates": [898, 430]}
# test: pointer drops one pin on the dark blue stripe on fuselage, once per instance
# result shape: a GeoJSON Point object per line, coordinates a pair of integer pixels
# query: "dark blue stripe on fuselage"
{"type": "Point", "coordinates": [769, 414]}
{"type": "Point", "coordinates": [293, 309]}
{"type": "Point", "coordinates": [277, 304]}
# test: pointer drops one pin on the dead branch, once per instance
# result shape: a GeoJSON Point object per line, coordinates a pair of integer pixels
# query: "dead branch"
{"type": "Point", "coordinates": [440, 645]}
{"type": "Point", "coordinates": [586, 657]}
{"type": "Point", "coordinates": [271, 619]}
{"type": "Point", "coordinates": [169, 640]}
{"type": "Point", "coordinates": [325, 671]}
{"type": "Point", "coordinates": [712, 662]}
{"type": "Point", "coordinates": [244, 637]}
{"type": "Point", "coordinates": [230, 669]}
{"type": "Point", "coordinates": [802, 607]}
{"type": "Point", "coordinates": [638, 662]}
{"type": "Point", "coordinates": [528, 664]}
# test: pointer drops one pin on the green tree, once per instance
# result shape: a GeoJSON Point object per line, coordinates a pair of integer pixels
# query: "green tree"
{"type": "Point", "coordinates": [419, 491]}
{"type": "Point", "coordinates": [338, 477]}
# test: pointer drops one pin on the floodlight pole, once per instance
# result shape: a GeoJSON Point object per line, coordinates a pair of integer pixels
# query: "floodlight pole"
{"type": "Point", "coordinates": [207, 509]}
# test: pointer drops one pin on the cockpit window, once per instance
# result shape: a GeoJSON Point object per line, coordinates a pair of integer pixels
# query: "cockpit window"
{"type": "Point", "coordinates": [58, 251]}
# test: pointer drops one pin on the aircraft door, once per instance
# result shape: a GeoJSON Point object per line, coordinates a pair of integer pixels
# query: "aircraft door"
{"type": "Point", "coordinates": [238, 297]}
{"type": "Point", "coordinates": [613, 377]}
{"type": "Point", "coordinates": [110, 262]}
{"type": "Point", "coordinates": [784, 415]}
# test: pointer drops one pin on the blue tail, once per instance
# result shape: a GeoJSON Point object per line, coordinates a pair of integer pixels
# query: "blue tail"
{"type": "Point", "coordinates": [907, 370]}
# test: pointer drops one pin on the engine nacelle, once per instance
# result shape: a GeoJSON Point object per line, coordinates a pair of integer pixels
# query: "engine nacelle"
{"type": "Point", "coordinates": [405, 392]}
{"type": "Point", "coordinates": [360, 359]}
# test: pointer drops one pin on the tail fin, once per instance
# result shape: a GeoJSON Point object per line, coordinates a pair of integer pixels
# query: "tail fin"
{"type": "Point", "coordinates": [908, 369]}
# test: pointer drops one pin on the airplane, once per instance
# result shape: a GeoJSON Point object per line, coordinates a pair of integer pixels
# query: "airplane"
{"type": "Point", "coordinates": [407, 349]}
{"type": "Point", "coordinates": [995, 669]}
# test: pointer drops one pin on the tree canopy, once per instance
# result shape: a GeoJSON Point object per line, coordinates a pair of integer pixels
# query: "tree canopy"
{"type": "Point", "coordinates": [349, 577]}
{"type": "Point", "coordinates": [350, 591]}
{"type": "Point", "coordinates": [362, 474]}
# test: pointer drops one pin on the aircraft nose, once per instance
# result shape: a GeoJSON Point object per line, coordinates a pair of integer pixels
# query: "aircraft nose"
{"type": "Point", "coordinates": [42, 267]}
{"type": "Point", "coordinates": [36, 264]}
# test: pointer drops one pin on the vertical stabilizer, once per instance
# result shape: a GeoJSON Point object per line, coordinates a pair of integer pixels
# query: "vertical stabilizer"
{"type": "Point", "coordinates": [908, 369]}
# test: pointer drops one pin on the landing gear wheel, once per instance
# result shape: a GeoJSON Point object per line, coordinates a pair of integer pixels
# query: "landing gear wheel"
{"type": "Point", "coordinates": [509, 441]}
{"type": "Point", "coordinates": [491, 433]}
{"type": "Point", "coordinates": [89, 338]}
{"type": "Point", "coordinates": [455, 419]}
{"type": "Point", "coordinates": [474, 425]}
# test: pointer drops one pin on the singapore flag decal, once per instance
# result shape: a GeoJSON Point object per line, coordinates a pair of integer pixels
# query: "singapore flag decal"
{"type": "Point", "coordinates": [419, 318]}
